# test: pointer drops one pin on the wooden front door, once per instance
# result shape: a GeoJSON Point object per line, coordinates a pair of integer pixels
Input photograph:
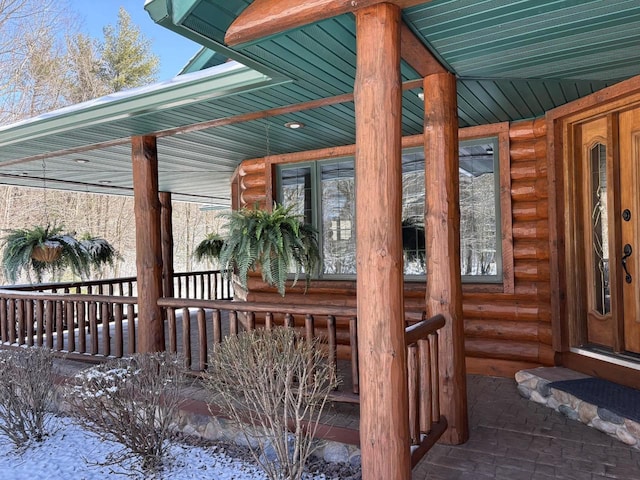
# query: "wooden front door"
{"type": "Point", "coordinates": [607, 184]}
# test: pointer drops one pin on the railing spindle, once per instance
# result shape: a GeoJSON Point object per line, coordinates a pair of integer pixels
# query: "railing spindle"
{"type": "Point", "coordinates": [435, 387]}
{"type": "Point", "coordinates": [119, 340]}
{"type": "Point", "coordinates": [426, 400]}
{"type": "Point", "coordinates": [289, 321]}
{"type": "Point", "coordinates": [309, 327]}
{"type": "Point", "coordinates": [106, 332]}
{"type": "Point", "coordinates": [413, 391]}
{"type": "Point", "coordinates": [251, 320]}
{"type": "Point", "coordinates": [49, 312]}
{"type": "Point", "coordinates": [20, 315]}
{"type": "Point", "coordinates": [40, 319]}
{"type": "Point", "coordinates": [202, 337]}
{"type": "Point", "coordinates": [30, 320]}
{"type": "Point", "coordinates": [4, 327]}
{"type": "Point", "coordinates": [233, 322]}
{"type": "Point", "coordinates": [93, 327]}
{"type": "Point", "coordinates": [59, 326]}
{"type": "Point", "coordinates": [333, 350]}
{"type": "Point", "coordinates": [11, 320]}
{"type": "Point", "coordinates": [131, 327]}
{"type": "Point", "coordinates": [171, 324]}
{"type": "Point", "coordinates": [186, 337]}
{"type": "Point", "coordinates": [268, 321]}
{"type": "Point", "coordinates": [71, 326]}
{"type": "Point", "coordinates": [82, 327]}
{"type": "Point", "coordinates": [216, 319]}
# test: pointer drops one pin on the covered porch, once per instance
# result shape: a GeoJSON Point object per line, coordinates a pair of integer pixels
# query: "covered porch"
{"type": "Point", "coordinates": [382, 90]}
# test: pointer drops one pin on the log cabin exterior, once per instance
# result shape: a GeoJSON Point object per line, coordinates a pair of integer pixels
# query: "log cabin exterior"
{"type": "Point", "coordinates": [552, 87]}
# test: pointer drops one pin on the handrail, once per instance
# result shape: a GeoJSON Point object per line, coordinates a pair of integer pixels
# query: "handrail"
{"type": "Point", "coordinates": [422, 329]}
{"type": "Point", "coordinates": [69, 297]}
{"type": "Point", "coordinates": [63, 285]}
{"type": "Point", "coordinates": [259, 307]}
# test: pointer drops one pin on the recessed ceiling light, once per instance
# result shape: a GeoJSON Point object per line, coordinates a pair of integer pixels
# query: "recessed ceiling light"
{"type": "Point", "coordinates": [105, 182]}
{"type": "Point", "coordinates": [24, 174]}
{"type": "Point", "coordinates": [82, 160]}
{"type": "Point", "coordinates": [294, 125]}
{"type": "Point", "coordinates": [421, 96]}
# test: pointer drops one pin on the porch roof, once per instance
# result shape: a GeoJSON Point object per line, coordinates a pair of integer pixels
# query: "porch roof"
{"type": "Point", "coordinates": [513, 60]}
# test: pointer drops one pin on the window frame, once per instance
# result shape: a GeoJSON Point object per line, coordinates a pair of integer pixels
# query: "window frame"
{"type": "Point", "coordinates": [499, 130]}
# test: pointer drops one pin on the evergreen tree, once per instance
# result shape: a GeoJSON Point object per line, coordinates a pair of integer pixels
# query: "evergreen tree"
{"type": "Point", "coordinates": [127, 60]}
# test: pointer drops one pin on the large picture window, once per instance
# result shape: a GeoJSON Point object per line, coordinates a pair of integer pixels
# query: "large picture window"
{"type": "Point", "coordinates": [324, 193]}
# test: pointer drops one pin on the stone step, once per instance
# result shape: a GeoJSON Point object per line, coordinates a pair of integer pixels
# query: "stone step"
{"type": "Point", "coordinates": [534, 384]}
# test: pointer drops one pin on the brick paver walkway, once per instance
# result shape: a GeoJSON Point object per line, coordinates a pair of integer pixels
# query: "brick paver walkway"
{"type": "Point", "coordinates": [516, 439]}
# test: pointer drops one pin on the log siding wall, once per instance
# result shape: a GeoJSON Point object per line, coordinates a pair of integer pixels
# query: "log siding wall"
{"type": "Point", "coordinates": [504, 331]}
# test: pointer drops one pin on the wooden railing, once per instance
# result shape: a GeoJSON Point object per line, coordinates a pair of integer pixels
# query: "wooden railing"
{"type": "Point", "coordinates": [97, 326]}
{"type": "Point", "coordinates": [194, 325]}
{"type": "Point", "coordinates": [426, 424]}
{"type": "Point", "coordinates": [208, 285]}
{"type": "Point", "coordinates": [205, 285]}
{"type": "Point", "coordinates": [88, 326]}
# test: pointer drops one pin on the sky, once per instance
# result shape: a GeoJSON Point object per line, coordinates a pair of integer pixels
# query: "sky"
{"type": "Point", "coordinates": [173, 50]}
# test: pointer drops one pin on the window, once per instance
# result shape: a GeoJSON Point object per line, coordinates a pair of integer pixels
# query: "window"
{"type": "Point", "coordinates": [324, 192]}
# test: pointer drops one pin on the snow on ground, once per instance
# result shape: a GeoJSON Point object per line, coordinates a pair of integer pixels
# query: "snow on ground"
{"type": "Point", "coordinates": [70, 453]}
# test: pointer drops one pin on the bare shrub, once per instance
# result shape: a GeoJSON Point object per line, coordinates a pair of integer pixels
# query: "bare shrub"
{"type": "Point", "coordinates": [133, 402]}
{"type": "Point", "coordinates": [274, 385]}
{"type": "Point", "coordinates": [26, 394]}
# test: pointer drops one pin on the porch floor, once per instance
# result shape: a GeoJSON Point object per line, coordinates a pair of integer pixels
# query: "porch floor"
{"type": "Point", "coordinates": [513, 438]}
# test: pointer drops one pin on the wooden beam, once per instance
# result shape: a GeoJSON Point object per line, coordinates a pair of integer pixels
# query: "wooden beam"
{"type": "Point", "coordinates": [144, 159]}
{"type": "Point", "coordinates": [166, 228]}
{"type": "Point", "coordinates": [384, 420]}
{"type": "Point", "coordinates": [416, 54]}
{"type": "Point", "coordinates": [442, 230]}
{"type": "Point", "coordinates": [269, 17]}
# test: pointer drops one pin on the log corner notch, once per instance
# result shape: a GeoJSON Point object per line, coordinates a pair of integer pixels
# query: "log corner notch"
{"type": "Point", "coordinates": [144, 159]}
{"type": "Point", "coordinates": [264, 18]}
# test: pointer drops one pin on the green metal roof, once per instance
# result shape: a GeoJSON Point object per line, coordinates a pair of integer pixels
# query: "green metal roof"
{"type": "Point", "coordinates": [514, 59]}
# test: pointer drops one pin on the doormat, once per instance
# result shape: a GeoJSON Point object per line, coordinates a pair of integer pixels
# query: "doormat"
{"type": "Point", "coordinates": [621, 400]}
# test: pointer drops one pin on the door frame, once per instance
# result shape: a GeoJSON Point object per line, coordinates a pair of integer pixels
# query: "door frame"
{"type": "Point", "coordinates": [565, 295]}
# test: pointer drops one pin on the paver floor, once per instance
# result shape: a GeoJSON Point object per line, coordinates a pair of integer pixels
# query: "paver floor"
{"type": "Point", "coordinates": [515, 439]}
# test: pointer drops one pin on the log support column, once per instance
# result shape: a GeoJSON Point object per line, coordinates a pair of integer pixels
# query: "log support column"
{"type": "Point", "coordinates": [166, 221]}
{"type": "Point", "coordinates": [384, 430]}
{"type": "Point", "coordinates": [442, 229]}
{"type": "Point", "coordinates": [148, 243]}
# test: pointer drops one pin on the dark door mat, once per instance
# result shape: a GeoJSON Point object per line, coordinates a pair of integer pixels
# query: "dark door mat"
{"type": "Point", "coordinates": [621, 400]}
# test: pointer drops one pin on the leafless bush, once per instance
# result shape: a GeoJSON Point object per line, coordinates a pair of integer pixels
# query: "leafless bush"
{"type": "Point", "coordinates": [26, 394]}
{"type": "Point", "coordinates": [133, 402]}
{"type": "Point", "coordinates": [274, 385]}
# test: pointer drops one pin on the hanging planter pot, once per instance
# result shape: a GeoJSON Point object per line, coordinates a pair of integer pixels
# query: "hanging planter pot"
{"type": "Point", "coordinates": [41, 249]}
{"type": "Point", "coordinates": [46, 254]}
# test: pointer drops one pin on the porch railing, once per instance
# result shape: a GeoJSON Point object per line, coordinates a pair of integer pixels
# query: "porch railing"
{"type": "Point", "coordinates": [203, 285]}
{"type": "Point", "coordinates": [80, 325]}
{"type": "Point", "coordinates": [426, 424]}
{"type": "Point", "coordinates": [94, 327]}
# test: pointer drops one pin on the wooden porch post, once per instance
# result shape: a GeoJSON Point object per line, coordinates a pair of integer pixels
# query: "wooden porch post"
{"type": "Point", "coordinates": [442, 222]}
{"type": "Point", "coordinates": [384, 430]}
{"type": "Point", "coordinates": [166, 220]}
{"type": "Point", "coordinates": [144, 158]}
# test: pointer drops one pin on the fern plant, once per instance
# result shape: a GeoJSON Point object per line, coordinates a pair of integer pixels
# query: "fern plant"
{"type": "Point", "coordinates": [277, 242]}
{"type": "Point", "coordinates": [209, 248]}
{"type": "Point", "coordinates": [99, 251]}
{"type": "Point", "coordinates": [24, 247]}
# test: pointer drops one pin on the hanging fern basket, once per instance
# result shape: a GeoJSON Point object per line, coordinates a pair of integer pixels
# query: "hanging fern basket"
{"type": "Point", "coordinates": [46, 254]}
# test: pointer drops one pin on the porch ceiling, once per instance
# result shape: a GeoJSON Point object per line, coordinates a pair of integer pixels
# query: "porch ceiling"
{"type": "Point", "coordinates": [513, 60]}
